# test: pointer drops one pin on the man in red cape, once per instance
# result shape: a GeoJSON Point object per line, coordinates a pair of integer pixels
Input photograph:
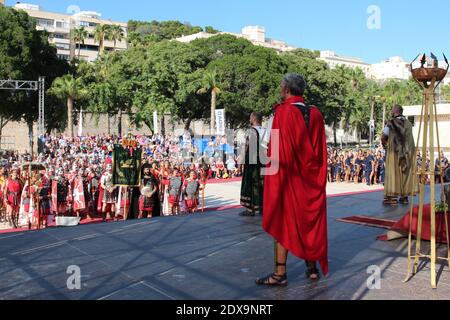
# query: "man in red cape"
{"type": "Point", "coordinates": [295, 208]}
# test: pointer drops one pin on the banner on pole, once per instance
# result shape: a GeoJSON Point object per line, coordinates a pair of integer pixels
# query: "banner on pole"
{"type": "Point", "coordinates": [54, 196]}
{"type": "Point", "coordinates": [127, 166]}
{"type": "Point", "coordinates": [155, 122]}
{"type": "Point", "coordinates": [80, 124]}
{"type": "Point", "coordinates": [220, 122]}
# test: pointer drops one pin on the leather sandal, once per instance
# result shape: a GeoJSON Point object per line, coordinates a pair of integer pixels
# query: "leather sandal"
{"type": "Point", "coordinates": [247, 214]}
{"type": "Point", "coordinates": [311, 271]}
{"type": "Point", "coordinates": [273, 280]}
{"type": "Point", "coordinates": [277, 280]}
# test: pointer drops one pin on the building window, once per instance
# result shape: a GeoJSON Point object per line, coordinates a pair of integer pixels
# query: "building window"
{"type": "Point", "coordinates": [62, 25]}
{"type": "Point", "coordinates": [63, 46]}
{"type": "Point", "coordinates": [86, 24]}
{"type": "Point", "coordinates": [45, 23]}
{"type": "Point", "coordinates": [59, 36]}
{"type": "Point", "coordinates": [63, 57]}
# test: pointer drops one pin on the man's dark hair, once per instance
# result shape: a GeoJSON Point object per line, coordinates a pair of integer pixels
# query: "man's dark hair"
{"type": "Point", "coordinates": [295, 83]}
{"type": "Point", "coordinates": [258, 116]}
{"type": "Point", "coordinates": [399, 109]}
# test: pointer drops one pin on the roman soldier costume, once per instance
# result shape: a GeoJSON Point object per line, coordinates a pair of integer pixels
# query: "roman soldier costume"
{"type": "Point", "coordinates": [147, 199]}
{"type": "Point", "coordinates": [191, 188]}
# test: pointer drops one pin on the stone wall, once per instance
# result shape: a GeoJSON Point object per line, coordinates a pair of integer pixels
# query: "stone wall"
{"type": "Point", "coordinates": [15, 134]}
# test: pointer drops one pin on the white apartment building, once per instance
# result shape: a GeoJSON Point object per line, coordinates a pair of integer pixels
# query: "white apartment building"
{"type": "Point", "coordinates": [255, 34]}
{"type": "Point", "coordinates": [59, 25]}
{"type": "Point", "coordinates": [333, 60]}
{"type": "Point", "coordinates": [446, 80]}
{"type": "Point", "coordinates": [393, 68]}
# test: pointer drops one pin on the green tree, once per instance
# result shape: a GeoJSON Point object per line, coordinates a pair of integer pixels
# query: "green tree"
{"type": "Point", "coordinates": [26, 54]}
{"type": "Point", "coordinates": [101, 33]}
{"type": "Point", "coordinates": [326, 88]}
{"type": "Point", "coordinates": [446, 93]}
{"type": "Point", "coordinates": [210, 85]}
{"type": "Point", "coordinates": [211, 30]}
{"type": "Point", "coordinates": [159, 75]}
{"type": "Point", "coordinates": [144, 33]}
{"type": "Point", "coordinates": [69, 88]}
{"type": "Point", "coordinates": [116, 34]}
{"type": "Point", "coordinates": [249, 82]}
{"type": "Point", "coordinates": [79, 36]}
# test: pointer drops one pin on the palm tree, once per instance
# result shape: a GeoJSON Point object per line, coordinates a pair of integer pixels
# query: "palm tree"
{"type": "Point", "coordinates": [101, 33]}
{"type": "Point", "coordinates": [70, 88]}
{"type": "Point", "coordinates": [79, 35]}
{"type": "Point", "coordinates": [116, 34]}
{"type": "Point", "coordinates": [358, 120]}
{"type": "Point", "coordinates": [209, 84]}
{"type": "Point", "coordinates": [445, 91]}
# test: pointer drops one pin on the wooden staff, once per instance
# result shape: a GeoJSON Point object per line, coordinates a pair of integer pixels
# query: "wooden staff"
{"type": "Point", "coordinates": [203, 195]}
{"type": "Point", "coordinates": [29, 195]}
{"type": "Point", "coordinates": [125, 213]}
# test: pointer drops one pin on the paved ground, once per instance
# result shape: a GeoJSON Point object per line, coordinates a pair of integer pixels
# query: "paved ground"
{"type": "Point", "coordinates": [213, 256]}
{"type": "Point", "coordinates": [219, 195]}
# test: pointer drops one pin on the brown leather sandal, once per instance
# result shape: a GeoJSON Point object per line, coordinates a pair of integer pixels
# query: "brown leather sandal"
{"type": "Point", "coordinates": [311, 271]}
{"type": "Point", "coordinates": [277, 280]}
{"type": "Point", "coordinates": [273, 280]}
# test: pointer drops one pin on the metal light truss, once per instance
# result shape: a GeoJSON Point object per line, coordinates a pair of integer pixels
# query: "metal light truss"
{"type": "Point", "coordinates": [41, 120]}
{"type": "Point", "coordinates": [30, 86]}
{"type": "Point", "coordinates": [19, 85]}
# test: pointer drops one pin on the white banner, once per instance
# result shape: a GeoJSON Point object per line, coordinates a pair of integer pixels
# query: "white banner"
{"type": "Point", "coordinates": [80, 124]}
{"type": "Point", "coordinates": [155, 122]}
{"type": "Point", "coordinates": [220, 122]}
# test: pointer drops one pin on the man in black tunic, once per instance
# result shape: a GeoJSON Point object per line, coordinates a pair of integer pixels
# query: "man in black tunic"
{"type": "Point", "coordinates": [252, 180]}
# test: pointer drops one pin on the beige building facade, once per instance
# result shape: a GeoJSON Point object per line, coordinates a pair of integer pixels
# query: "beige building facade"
{"type": "Point", "coordinates": [59, 27]}
{"type": "Point", "coordinates": [443, 117]}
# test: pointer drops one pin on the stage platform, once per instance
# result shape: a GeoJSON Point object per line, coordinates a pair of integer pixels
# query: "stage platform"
{"type": "Point", "coordinates": [214, 256]}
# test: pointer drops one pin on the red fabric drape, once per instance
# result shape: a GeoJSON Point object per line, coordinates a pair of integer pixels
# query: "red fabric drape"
{"type": "Point", "coordinates": [403, 224]}
{"type": "Point", "coordinates": [295, 209]}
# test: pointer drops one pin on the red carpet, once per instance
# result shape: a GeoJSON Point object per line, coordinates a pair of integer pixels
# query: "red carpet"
{"type": "Point", "coordinates": [218, 181]}
{"type": "Point", "coordinates": [368, 221]}
{"type": "Point", "coordinates": [402, 226]}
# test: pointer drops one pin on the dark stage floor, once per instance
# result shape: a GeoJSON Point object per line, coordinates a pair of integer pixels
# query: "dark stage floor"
{"type": "Point", "coordinates": [213, 256]}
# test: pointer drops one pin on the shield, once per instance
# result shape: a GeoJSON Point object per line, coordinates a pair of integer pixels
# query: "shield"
{"type": "Point", "coordinates": [146, 191]}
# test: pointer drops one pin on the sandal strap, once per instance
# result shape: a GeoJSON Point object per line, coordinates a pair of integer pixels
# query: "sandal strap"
{"type": "Point", "coordinates": [280, 280]}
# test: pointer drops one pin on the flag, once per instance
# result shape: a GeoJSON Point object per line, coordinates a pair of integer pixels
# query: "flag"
{"type": "Point", "coordinates": [220, 122]}
{"type": "Point", "coordinates": [126, 166]}
{"type": "Point", "coordinates": [80, 124]}
{"type": "Point", "coordinates": [54, 196]}
{"type": "Point", "coordinates": [78, 195]}
{"type": "Point", "coordinates": [155, 122]}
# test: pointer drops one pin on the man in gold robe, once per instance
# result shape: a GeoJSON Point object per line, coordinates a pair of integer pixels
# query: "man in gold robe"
{"type": "Point", "coordinates": [401, 163]}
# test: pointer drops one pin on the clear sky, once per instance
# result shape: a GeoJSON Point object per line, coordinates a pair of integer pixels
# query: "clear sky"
{"type": "Point", "coordinates": [407, 27]}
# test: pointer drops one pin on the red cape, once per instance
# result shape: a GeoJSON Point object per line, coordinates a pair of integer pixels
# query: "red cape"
{"type": "Point", "coordinates": [295, 207]}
